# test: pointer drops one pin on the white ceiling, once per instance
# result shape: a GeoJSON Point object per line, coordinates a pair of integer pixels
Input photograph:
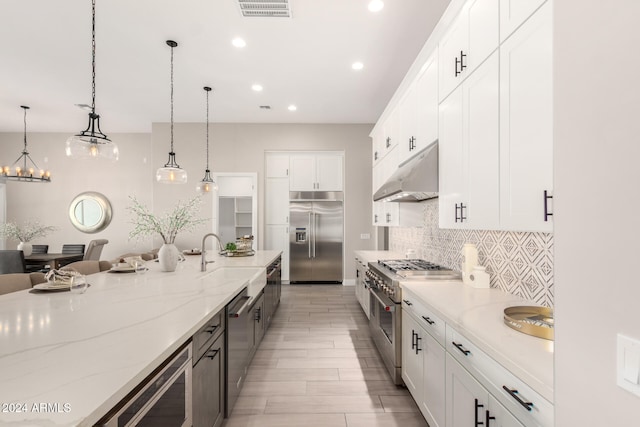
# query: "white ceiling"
{"type": "Point", "coordinates": [45, 61]}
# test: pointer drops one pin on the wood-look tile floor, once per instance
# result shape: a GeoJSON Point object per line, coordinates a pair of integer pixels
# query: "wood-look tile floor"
{"type": "Point", "coordinates": [318, 367]}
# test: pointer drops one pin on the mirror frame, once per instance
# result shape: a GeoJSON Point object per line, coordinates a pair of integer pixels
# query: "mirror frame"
{"type": "Point", "coordinates": [104, 204]}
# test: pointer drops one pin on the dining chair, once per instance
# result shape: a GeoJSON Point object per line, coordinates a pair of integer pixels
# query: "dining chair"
{"type": "Point", "coordinates": [18, 281]}
{"type": "Point", "coordinates": [73, 249]}
{"type": "Point", "coordinates": [40, 249]}
{"type": "Point", "coordinates": [12, 261]}
{"type": "Point", "coordinates": [88, 267]}
{"type": "Point", "coordinates": [95, 249]}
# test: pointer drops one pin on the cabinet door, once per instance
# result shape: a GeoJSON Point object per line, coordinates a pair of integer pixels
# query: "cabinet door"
{"type": "Point", "coordinates": [466, 399]}
{"type": "Point", "coordinates": [427, 88]}
{"type": "Point", "coordinates": [515, 12]}
{"type": "Point", "coordinates": [408, 107]}
{"type": "Point", "coordinates": [451, 44]}
{"type": "Point", "coordinates": [302, 172]}
{"type": "Point", "coordinates": [481, 148]}
{"type": "Point", "coordinates": [498, 416]}
{"type": "Point", "coordinates": [277, 238]}
{"type": "Point", "coordinates": [276, 165]}
{"type": "Point", "coordinates": [412, 356]}
{"type": "Point", "coordinates": [277, 203]}
{"type": "Point", "coordinates": [378, 214]}
{"type": "Point", "coordinates": [329, 172]}
{"type": "Point", "coordinates": [208, 387]}
{"type": "Point", "coordinates": [526, 134]}
{"type": "Point", "coordinates": [391, 214]}
{"type": "Point", "coordinates": [450, 159]}
{"type": "Point", "coordinates": [433, 395]}
{"type": "Point", "coordinates": [377, 144]}
{"type": "Point", "coordinates": [391, 131]}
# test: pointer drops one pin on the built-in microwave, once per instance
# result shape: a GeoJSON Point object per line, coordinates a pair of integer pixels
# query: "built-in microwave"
{"type": "Point", "coordinates": [163, 398]}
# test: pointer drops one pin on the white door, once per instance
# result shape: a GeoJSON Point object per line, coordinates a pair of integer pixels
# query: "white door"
{"type": "Point", "coordinates": [277, 165]}
{"type": "Point", "coordinates": [433, 397]}
{"type": "Point", "coordinates": [412, 355]}
{"type": "Point", "coordinates": [498, 416]}
{"type": "Point", "coordinates": [515, 12]}
{"type": "Point", "coordinates": [302, 172]}
{"type": "Point", "coordinates": [329, 172]}
{"type": "Point", "coordinates": [526, 134]}
{"type": "Point", "coordinates": [466, 398]}
{"type": "Point", "coordinates": [277, 201]}
{"type": "Point", "coordinates": [450, 159]}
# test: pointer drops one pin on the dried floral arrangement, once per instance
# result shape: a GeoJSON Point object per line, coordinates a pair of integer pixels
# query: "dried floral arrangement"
{"type": "Point", "coordinates": [182, 218]}
{"type": "Point", "coordinates": [26, 232]}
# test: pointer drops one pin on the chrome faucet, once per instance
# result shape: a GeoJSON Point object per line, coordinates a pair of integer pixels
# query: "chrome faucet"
{"type": "Point", "coordinates": [203, 252]}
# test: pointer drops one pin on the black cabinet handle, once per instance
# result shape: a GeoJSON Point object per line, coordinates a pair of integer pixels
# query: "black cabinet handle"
{"type": "Point", "coordinates": [462, 208]}
{"type": "Point", "coordinates": [213, 329]}
{"type": "Point", "coordinates": [417, 347]}
{"type": "Point", "coordinates": [388, 142]}
{"type": "Point", "coordinates": [413, 339]}
{"type": "Point", "coordinates": [211, 354]}
{"type": "Point", "coordinates": [457, 62]}
{"type": "Point", "coordinates": [375, 156]}
{"type": "Point", "coordinates": [412, 143]}
{"type": "Point", "coordinates": [406, 301]}
{"type": "Point", "coordinates": [375, 218]}
{"type": "Point", "coordinates": [258, 314]}
{"type": "Point", "coordinates": [457, 218]}
{"type": "Point", "coordinates": [514, 394]}
{"type": "Point", "coordinates": [547, 214]}
{"type": "Point", "coordinates": [461, 348]}
{"type": "Point", "coordinates": [488, 419]}
{"type": "Point", "coordinates": [388, 217]}
{"type": "Point", "coordinates": [475, 413]}
{"type": "Point", "coordinates": [462, 64]}
{"type": "Point", "coordinates": [428, 320]}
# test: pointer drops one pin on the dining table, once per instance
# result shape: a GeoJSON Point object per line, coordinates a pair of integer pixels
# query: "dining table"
{"type": "Point", "coordinates": [53, 260]}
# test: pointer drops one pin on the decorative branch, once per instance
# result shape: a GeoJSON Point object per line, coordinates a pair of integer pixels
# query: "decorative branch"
{"type": "Point", "coordinates": [27, 232]}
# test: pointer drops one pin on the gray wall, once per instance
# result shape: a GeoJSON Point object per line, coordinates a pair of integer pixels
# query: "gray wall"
{"type": "Point", "coordinates": [596, 198]}
{"type": "Point", "coordinates": [233, 148]}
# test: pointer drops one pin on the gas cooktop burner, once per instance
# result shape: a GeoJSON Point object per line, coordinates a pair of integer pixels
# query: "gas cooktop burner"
{"type": "Point", "coordinates": [396, 265]}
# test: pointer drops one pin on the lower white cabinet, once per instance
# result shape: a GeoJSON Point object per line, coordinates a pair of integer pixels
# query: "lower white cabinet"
{"type": "Point", "coordinates": [470, 404]}
{"type": "Point", "coordinates": [362, 291]}
{"type": "Point", "coordinates": [277, 239]}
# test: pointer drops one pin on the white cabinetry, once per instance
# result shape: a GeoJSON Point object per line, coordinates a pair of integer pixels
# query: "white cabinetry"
{"type": "Point", "coordinates": [315, 172]}
{"type": "Point", "coordinates": [513, 13]}
{"type": "Point", "coordinates": [526, 132]}
{"type": "Point", "coordinates": [277, 238]}
{"type": "Point", "coordinates": [469, 152]}
{"type": "Point", "coordinates": [472, 37]}
{"type": "Point", "coordinates": [423, 359]}
{"type": "Point", "coordinates": [362, 291]}
{"type": "Point", "coordinates": [277, 165]}
{"type": "Point", "coordinates": [419, 112]}
{"type": "Point", "coordinates": [277, 205]}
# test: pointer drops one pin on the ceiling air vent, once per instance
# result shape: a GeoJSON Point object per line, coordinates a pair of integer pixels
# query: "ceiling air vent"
{"type": "Point", "coordinates": [265, 8]}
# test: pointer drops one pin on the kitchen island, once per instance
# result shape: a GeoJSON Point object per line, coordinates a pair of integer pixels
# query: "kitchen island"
{"type": "Point", "coordinates": [67, 359]}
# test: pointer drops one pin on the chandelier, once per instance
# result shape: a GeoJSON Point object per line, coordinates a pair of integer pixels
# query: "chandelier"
{"type": "Point", "coordinates": [24, 168]}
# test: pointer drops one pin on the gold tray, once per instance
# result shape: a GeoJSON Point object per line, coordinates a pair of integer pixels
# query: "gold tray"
{"type": "Point", "coordinates": [531, 320]}
{"type": "Point", "coordinates": [250, 252]}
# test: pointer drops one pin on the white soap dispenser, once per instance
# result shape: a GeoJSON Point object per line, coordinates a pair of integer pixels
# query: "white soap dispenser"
{"type": "Point", "coordinates": [469, 261]}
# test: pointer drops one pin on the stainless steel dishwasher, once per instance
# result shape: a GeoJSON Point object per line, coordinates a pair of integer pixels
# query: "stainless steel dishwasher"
{"type": "Point", "coordinates": [237, 347]}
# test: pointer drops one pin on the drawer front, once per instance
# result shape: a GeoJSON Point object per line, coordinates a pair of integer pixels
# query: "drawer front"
{"type": "Point", "coordinates": [206, 334]}
{"type": "Point", "coordinates": [527, 405]}
{"type": "Point", "coordinates": [431, 323]}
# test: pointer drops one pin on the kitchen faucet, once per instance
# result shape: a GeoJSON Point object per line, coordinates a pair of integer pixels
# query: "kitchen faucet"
{"type": "Point", "coordinates": [203, 252]}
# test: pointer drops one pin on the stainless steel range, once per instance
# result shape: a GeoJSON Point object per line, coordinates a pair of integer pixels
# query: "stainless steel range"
{"type": "Point", "coordinates": [383, 280]}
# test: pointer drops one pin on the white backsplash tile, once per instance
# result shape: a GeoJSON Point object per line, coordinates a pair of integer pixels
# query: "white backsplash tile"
{"type": "Point", "coordinates": [520, 263]}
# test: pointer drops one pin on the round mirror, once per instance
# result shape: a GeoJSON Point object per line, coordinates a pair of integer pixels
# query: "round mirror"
{"type": "Point", "coordinates": [90, 212]}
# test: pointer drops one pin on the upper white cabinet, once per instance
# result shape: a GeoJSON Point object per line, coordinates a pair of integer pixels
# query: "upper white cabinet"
{"type": "Point", "coordinates": [526, 133]}
{"type": "Point", "coordinates": [315, 172]}
{"type": "Point", "coordinates": [469, 152]}
{"type": "Point", "coordinates": [513, 13]}
{"type": "Point", "coordinates": [277, 165]}
{"type": "Point", "coordinates": [419, 111]}
{"type": "Point", "coordinates": [472, 37]}
{"type": "Point", "coordinates": [277, 206]}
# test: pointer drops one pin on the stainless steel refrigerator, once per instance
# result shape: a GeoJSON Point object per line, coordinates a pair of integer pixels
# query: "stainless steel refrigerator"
{"type": "Point", "coordinates": [316, 223]}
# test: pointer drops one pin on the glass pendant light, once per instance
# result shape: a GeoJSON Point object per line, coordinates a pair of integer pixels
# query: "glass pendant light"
{"type": "Point", "coordinates": [207, 184]}
{"type": "Point", "coordinates": [171, 172]}
{"type": "Point", "coordinates": [91, 142]}
{"type": "Point", "coordinates": [21, 170]}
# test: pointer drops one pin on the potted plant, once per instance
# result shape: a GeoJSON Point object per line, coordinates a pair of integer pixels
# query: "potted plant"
{"type": "Point", "coordinates": [25, 233]}
{"type": "Point", "coordinates": [182, 218]}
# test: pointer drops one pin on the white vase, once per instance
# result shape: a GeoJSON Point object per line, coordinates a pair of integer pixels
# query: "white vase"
{"type": "Point", "coordinates": [26, 248]}
{"type": "Point", "coordinates": [168, 257]}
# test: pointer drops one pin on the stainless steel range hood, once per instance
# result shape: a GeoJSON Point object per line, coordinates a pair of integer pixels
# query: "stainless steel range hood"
{"type": "Point", "coordinates": [415, 180]}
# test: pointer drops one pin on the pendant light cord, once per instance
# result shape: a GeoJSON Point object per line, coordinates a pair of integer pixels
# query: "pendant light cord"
{"type": "Point", "coordinates": [207, 129]}
{"type": "Point", "coordinates": [25, 128]}
{"type": "Point", "coordinates": [93, 57]}
{"type": "Point", "coordinates": [171, 99]}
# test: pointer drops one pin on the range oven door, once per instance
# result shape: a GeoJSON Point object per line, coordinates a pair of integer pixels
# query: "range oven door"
{"type": "Point", "coordinates": [385, 325]}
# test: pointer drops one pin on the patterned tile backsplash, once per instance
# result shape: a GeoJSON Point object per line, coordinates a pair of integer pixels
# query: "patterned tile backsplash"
{"type": "Point", "coordinates": [520, 263]}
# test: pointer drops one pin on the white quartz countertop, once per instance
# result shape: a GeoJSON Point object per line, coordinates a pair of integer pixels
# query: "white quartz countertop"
{"type": "Point", "coordinates": [478, 315]}
{"type": "Point", "coordinates": [372, 256]}
{"type": "Point", "coordinates": [82, 353]}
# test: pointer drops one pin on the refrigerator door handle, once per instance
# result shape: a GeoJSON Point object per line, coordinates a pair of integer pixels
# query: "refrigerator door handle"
{"type": "Point", "coordinates": [309, 237]}
{"type": "Point", "coordinates": [315, 230]}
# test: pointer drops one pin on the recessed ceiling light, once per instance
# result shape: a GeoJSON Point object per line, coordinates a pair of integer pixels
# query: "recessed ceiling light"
{"type": "Point", "coordinates": [357, 65]}
{"type": "Point", "coordinates": [376, 5]}
{"type": "Point", "coordinates": [238, 42]}
{"type": "Point", "coordinates": [292, 107]}
{"type": "Point", "coordinates": [257, 87]}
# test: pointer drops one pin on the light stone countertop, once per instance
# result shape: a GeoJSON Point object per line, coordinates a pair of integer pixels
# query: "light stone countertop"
{"type": "Point", "coordinates": [85, 352]}
{"type": "Point", "coordinates": [372, 256]}
{"type": "Point", "coordinates": [478, 315]}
